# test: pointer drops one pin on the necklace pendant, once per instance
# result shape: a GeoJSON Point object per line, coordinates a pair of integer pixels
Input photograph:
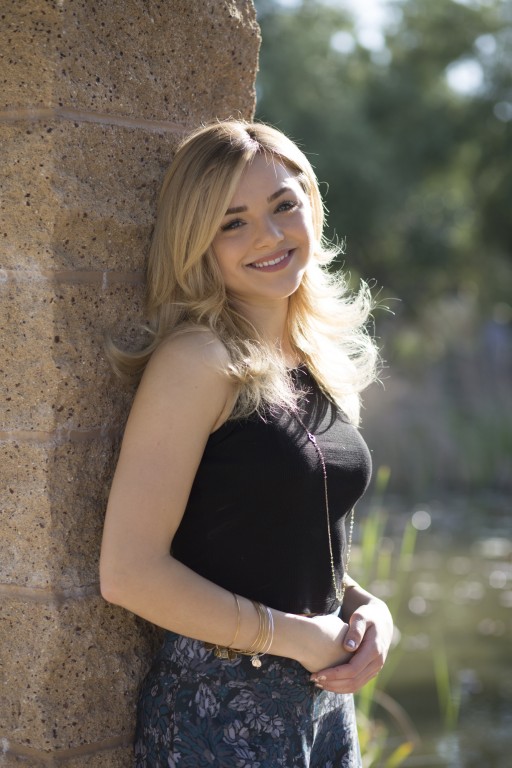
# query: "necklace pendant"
{"type": "Point", "coordinates": [256, 662]}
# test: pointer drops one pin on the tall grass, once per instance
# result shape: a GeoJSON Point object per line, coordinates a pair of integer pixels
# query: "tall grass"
{"type": "Point", "coordinates": [375, 562]}
{"type": "Point", "coordinates": [448, 695]}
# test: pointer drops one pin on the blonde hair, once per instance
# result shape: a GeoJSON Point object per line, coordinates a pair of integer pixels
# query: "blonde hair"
{"type": "Point", "coordinates": [185, 290]}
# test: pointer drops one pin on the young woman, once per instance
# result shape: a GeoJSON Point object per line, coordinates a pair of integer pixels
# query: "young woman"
{"type": "Point", "coordinates": [240, 464]}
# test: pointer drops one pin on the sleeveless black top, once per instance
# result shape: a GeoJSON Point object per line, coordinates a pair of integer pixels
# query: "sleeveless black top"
{"type": "Point", "coordinates": [255, 522]}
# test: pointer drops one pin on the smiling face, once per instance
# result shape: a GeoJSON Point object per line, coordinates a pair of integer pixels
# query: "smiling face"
{"type": "Point", "coordinates": [266, 237]}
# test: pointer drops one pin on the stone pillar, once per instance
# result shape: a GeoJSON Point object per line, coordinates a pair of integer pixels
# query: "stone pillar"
{"type": "Point", "coordinates": [95, 95]}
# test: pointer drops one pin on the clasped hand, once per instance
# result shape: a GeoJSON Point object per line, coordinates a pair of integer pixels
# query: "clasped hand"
{"type": "Point", "coordinates": [365, 643]}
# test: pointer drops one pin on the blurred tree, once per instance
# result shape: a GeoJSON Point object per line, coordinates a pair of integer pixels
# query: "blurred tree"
{"type": "Point", "coordinates": [419, 174]}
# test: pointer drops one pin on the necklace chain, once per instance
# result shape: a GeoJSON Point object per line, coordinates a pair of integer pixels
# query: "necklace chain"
{"type": "Point", "coordinates": [340, 593]}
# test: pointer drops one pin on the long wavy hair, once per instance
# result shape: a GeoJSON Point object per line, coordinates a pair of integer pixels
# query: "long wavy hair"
{"type": "Point", "coordinates": [185, 291]}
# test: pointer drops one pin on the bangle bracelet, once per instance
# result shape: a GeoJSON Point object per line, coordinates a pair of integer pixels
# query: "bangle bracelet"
{"type": "Point", "coordinates": [237, 630]}
{"type": "Point", "coordinates": [267, 643]}
{"type": "Point", "coordinates": [262, 642]}
{"type": "Point", "coordinates": [226, 651]}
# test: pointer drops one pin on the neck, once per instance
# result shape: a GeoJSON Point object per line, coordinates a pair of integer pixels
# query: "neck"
{"type": "Point", "coordinates": [271, 323]}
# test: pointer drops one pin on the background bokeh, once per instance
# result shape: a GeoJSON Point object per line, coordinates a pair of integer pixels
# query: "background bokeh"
{"type": "Point", "coordinates": [404, 108]}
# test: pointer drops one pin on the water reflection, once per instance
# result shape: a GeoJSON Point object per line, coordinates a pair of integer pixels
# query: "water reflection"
{"type": "Point", "coordinates": [455, 604]}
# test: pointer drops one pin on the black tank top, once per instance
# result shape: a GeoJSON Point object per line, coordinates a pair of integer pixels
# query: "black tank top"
{"type": "Point", "coordinates": [255, 522]}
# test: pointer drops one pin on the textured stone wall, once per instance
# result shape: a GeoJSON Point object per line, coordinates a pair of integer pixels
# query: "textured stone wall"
{"type": "Point", "coordinates": [94, 96]}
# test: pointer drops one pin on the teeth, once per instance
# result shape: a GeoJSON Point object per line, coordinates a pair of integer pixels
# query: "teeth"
{"type": "Point", "coordinates": [270, 263]}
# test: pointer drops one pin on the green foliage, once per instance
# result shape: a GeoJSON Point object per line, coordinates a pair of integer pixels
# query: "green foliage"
{"type": "Point", "coordinates": [419, 176]}
{"type": "Point", "coordinates": [385, 566]}
{"type": "Point", "coordinates": [373, 737]}
{"type": "Point", "coordinates": [375, 564]}
{"type": "Point", "coordinates": [448, 696]}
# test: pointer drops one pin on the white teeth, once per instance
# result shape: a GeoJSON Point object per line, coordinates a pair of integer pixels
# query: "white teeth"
{"type": "Point", "coordinates": [270, 263]}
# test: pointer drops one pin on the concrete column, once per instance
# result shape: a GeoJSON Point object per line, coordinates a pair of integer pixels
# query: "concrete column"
{"type": "Point", "coordinates": [95, 94]}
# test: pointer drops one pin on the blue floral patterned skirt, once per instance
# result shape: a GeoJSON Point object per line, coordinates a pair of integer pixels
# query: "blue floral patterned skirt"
{"type": "Point", "coordinates": [197, 711]}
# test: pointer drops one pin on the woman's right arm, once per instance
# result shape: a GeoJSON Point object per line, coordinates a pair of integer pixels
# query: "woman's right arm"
{"type": "Point", "coordinates": [185, 395]}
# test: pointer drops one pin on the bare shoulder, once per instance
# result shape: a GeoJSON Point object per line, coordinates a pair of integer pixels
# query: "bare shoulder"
{"type": "Point", "coordinates": [190, 351]}
{"type": "Point", "coordinates": [182, 395]}
{"type": "Point", "coordinates": [188, 371]}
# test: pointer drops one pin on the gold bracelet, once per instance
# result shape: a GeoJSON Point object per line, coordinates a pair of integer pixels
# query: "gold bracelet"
{"type": "Point", "coordinates": [237, 621]}
{"type": "Point", "coordinates": [260, 639]}
{"type": "Point", "coordinates": [265, 636]}
{"type": "Point", "coordinates": [256, 644]}
{"type": "Point", "coordinates": [267, 644]}
{"type": "Point", "coordinates": [226, 651]}
{"type": "Point", "coordinates": [261, 643]}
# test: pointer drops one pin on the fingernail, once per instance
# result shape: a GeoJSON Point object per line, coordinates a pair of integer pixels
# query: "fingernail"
{"type": "Point", "coordinates": [319, 679]}
{"type": "Point", "coordinates": [350, 643]}
{"type": "Point", "coordinates": [317, 685]}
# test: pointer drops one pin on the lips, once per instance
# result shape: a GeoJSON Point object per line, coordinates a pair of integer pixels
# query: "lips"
{"type": "Point", "coordinates": [276, 261]}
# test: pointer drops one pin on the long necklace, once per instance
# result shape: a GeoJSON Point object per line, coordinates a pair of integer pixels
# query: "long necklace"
{"type": "Point", "coordinates": [340, 593]}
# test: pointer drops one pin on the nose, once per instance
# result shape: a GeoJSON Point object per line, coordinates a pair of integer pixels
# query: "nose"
{"type": "Point", "coordinates": [268, 233]}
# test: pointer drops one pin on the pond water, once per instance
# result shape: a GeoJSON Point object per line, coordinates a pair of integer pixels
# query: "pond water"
{"type": "Point", "coordinates": [449, 677]}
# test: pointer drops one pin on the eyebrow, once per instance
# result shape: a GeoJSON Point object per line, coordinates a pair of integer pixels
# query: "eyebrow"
{"type": "Point", "coordinates": [273, 196]}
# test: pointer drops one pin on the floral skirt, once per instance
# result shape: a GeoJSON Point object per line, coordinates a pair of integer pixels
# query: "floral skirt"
{"type": "Point", "coordinates": [197, 711]}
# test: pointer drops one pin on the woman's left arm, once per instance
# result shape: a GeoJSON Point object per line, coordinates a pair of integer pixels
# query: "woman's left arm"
{"type": "Point", "coordinates": [368, 638]}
